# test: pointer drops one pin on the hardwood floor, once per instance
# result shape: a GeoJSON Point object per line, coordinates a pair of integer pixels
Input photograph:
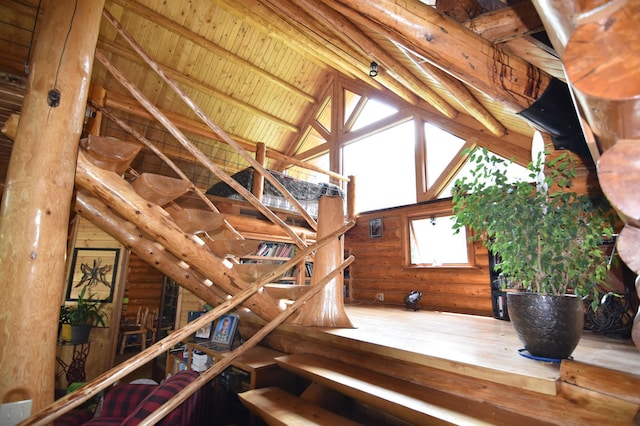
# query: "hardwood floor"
{"type": "Point", "coordinates": [480, 347]}
{"type": "Point", "coordinates": [477, 359]}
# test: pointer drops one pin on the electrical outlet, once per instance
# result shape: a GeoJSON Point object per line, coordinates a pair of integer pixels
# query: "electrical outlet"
{"type": "Point", "coordinates": [380, 297]}
{"type": "Point", "coordinates": [12, 413]}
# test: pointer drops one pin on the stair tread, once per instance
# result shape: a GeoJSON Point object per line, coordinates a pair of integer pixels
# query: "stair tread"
{"type": "Point", "coordinates": [410, 402]}
{"type": "Point", "coordinates": [277, 406]}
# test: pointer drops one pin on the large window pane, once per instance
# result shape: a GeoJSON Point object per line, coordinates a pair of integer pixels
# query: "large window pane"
{"type": "Point", "coordinates": [373, 111]}
{"type": "Point", "coordinates": [384, 167]}
{"type": "Point", "coordinates": [441, 148]}
{"type": "Point", "coordinates": [433, 242]}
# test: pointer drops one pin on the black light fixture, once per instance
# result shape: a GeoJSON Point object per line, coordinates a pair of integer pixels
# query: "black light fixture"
{"type": "Point", "coordinates": [373, 71]}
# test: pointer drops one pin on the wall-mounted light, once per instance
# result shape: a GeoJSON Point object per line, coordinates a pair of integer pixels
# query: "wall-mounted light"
{"type": "Point", "coordinates": [373, 70]}
{"type": "Point", "coordinates": [433, 220]}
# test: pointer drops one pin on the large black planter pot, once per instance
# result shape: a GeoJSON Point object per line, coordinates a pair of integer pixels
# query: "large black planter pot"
{"type": "Point", "coordinates": [80, 333]}
{"type": "Point", "coordinates": [548, 326]}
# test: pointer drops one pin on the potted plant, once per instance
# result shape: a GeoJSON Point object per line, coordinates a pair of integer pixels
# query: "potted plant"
{"type": "Point", "coordinates": [548, 239]}
{"type": "Point", "coordinates": [86, 313]}
{"type": "Point", "coordinates": [64, 323]}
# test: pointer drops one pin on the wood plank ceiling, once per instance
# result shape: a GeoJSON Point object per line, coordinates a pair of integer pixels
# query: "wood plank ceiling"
{"type": "Point", "coordinates": [261, 68]}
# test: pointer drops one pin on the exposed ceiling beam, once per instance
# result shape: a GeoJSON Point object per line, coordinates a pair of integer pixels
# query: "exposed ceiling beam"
{"type": "Point", "coordinates": [351, 34]}
{"type": "Point", "coordinates": [458, 51]}
{"type": "Point", "coordinates": [506, 23]}
{"type": "Point", "coordinates": [352, 58]}
{"type": "Point", "coordinates": [454, 86]}
{"type": "Point", "coordinates": [277, 27]}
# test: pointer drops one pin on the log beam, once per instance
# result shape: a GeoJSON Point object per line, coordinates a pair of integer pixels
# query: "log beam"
{"type": "Point", "coordinates": [353, 36]}
{"type": "Point", "coordinates": [37, 199]}
{"type": "Point", "coordinates": [601, 60]}
{"type": "Point", "coordinates": [98, 213]}
{"type": "Point", "coordinates": [458, 51]}
{"type": "Point", "coordinates": [454, 86]}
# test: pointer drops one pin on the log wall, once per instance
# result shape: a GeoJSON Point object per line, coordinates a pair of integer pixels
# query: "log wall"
{"type": "Point", "coordinates": [378, 267]}
{"type": "Point", "coordinates": [143, 288]}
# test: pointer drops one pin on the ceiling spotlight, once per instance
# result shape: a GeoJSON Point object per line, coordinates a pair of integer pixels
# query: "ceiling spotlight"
{"type": "Point", "coordinates": [373, 71]}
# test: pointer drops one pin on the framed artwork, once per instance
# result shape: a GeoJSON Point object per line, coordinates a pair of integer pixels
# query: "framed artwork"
{"type": "Point", "coordinates": [375, 228]}
{"type": "Point", "coordinates": [96, 268]}
{"type": "Point", "coordinates": [225, 330]}
{"type": "Point", "coordinates": [204, 332]}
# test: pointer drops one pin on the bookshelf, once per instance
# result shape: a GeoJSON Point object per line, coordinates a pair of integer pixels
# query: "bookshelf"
{"type": "Point", "coordinates": [279, 252]}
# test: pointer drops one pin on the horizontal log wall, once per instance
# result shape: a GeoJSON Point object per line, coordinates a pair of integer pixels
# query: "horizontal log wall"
{"type": "Point", "coordinates": [143, 288]}
{"type": "Point", "coordinates": [378, 267]}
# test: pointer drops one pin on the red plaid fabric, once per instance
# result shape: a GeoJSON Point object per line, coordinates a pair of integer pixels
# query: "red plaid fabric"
{"type": "Point", "coordinates": [181, 416]}
{"type": "Point", "coordinates": [130, 404]}
{"type": "Point", "coordinates": [121, 400]}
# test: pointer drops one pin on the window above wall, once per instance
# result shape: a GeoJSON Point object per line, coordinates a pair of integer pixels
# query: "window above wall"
{"type": "Point", "coordinates": [383, 164]}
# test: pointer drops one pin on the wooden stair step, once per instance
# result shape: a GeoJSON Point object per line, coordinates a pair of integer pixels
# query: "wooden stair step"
{"type": "Point", "coordinates": [278, 407]}
{"type": "Point", "coordinates": [194, 221]}
{"type": "Point", "coordinates": [250, 272]}
{"type": "Point", "coordinates": [410, 402]}
{"type": "Point", "coordinates": [233, 247]}
{"type": "Point", "coordinates": [617, 384]}
{"type": "Point", "coordinates": [160, 189]}
{"type": "Point", "coordinates": [110, 153]}
{"type": "Point", "coordinates": [286, 291]}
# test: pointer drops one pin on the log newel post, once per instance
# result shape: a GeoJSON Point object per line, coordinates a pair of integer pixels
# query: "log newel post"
{"type": "Point", "coordinates": [326, 309]}
{"type": "Point", "coordinates": [35, 213]}
{"type": "Point", "coordinates": [258, 179]}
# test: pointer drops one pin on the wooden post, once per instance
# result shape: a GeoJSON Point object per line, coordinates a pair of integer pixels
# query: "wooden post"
{"type": "Point", "coordinates": [98, 95]}
{"type": "Point", "coordinates": [37, 199]}
{"type": "Point", "coordinates": [327, 308]}
{"type": "Point", "coordinates": [351, 198]}
{"type": "Point", "coordinates": [258, 179]}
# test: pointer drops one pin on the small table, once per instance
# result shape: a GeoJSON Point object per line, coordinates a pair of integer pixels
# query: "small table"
{"type": "Point", "coordinates": [74, 371]}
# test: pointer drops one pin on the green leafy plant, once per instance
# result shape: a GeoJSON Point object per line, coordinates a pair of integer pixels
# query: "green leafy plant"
{"type": "Point", "coordinates": [85, 311]}
{"type": "Point", "coordinates": [65, 310]}
{"type": "Point", "coordinates": [547, 236]}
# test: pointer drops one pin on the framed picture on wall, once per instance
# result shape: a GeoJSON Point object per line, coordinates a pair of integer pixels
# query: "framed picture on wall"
{"type": "Point", "coordinates": [97, 268]}
{"type": "Point", "coordinates": [375, 228]}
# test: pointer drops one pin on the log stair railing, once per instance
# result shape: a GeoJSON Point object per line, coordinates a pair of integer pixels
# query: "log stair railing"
{"type": "Point", "coordinates": [133, 213]}
{"type": "Point", "coordinates": [328, 314]}
{"type": "Point", "coordinates": [74, 399]}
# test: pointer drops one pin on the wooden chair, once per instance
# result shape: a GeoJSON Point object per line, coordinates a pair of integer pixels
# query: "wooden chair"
{"type": "Point", "coordinates": [151, 326]}
{"type": "Point", "coordinates": [138, 329]}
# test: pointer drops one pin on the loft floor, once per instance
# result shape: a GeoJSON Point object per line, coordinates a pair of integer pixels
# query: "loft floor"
{"type": "Point", "coordinates": [479, 347]}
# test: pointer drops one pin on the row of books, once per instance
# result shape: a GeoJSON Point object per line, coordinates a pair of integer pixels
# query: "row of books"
{"type": "Point", "coordinates": [276, 250]}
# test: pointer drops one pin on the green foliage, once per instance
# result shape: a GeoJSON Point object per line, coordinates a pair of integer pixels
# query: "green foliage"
{"type": "Point", "coordinates": [84, 312]}
{"type": "Point", "coordinates": [546, 235]}
{"type": "Point", "coordinates": [65, 310]}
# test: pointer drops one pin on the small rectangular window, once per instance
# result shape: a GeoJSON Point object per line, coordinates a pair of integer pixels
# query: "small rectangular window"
{"type": "Point", "coordinates": [434, 244]}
